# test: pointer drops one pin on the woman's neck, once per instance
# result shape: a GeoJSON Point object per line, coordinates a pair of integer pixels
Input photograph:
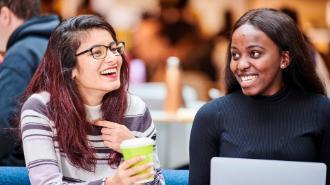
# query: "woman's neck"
{"type": "Point", "coordinates": [92, 98]}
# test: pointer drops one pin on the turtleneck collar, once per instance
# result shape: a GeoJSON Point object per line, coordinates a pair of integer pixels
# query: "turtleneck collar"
{"type": "Point", "coordinates": [93, 112]}
{"type": "Point", "coordinates": [273, 98]}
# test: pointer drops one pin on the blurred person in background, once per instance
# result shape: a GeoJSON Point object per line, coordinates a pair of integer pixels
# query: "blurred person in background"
{"type": "Point", "coordinates": [186, 41]}
{"type": "Point", "coordinates": [77, 110]}
{"type": "Point", "coordinates": [321, 68]}
{"type": "Point", "coordinates": [175, 33]}
{"type": "Point", "coordinates": [221, 41]}
{"type": "Point", "coordinates": [151, 47]}
{"type": "Point", "coordinates": [275, 107]}
{"type": "Point", "coordinates": [23, 36]}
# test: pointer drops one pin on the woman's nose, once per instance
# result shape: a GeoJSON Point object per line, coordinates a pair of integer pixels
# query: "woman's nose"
{"type": "Point", "coordinates": [243, 64]}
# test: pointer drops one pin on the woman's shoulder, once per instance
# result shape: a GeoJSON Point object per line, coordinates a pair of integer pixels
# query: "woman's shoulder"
{"type": "Point", "coordinates": [318, 100]}
{"type": "Point", "coordinates": [321, 105]}
{"type": "Point", "coordinates": [138, 118]}
{"type": "Point", "coordinates": [37, 101]}
{"type": "Point", "coordinates": [35, 107]}
{"type": "Point", "coordinates": [135, 105]}
{"type": "Point", "coordinates": [315, 102]}
{"type": "Point", "coordinates": [324, 104]}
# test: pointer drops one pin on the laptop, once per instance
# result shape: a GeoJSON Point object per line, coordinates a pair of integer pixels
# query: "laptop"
{"type": "Point", "coordinates": [238, 171]}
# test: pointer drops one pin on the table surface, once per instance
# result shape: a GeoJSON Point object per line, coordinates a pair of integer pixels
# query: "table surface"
{"type": "Point", "coordinates": [173, 135]}
{"type": "Point", "coordinates": [183, 116]}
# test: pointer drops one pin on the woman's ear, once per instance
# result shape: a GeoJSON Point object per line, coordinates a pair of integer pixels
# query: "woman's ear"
{"type": "Point", "coordinates": [285, 59]}
{"type": "Point", "coordinates": [74, 73]}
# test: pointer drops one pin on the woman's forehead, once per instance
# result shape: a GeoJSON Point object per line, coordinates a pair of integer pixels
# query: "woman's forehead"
{"type": "Point", "coordinates": [95, 36]}
{"type": "Point", "coordinates": [248, 33]}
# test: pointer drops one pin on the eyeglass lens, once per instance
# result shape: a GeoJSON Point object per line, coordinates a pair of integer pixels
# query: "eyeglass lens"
{"type": "Point", "coordinates": [100, 52]}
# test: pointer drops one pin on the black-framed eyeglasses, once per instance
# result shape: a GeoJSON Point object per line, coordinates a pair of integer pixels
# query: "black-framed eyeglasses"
{"type": "Point", "coordinates": [100, 51]}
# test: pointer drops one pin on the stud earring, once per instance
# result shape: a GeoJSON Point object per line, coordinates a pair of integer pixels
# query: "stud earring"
{"type": "Point", "coordinates": [282, 66]}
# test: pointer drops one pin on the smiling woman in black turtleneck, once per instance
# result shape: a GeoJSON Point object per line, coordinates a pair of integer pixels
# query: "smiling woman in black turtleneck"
{"type": "Point", "coordinates": [275, 107]}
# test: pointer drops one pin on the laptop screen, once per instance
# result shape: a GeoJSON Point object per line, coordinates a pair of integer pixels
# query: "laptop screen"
{"type": "Point", "coordinates": [238, 171]}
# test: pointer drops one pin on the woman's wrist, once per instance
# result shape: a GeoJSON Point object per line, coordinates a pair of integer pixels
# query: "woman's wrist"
{"type": "Point", "coordinates": [110, 181]}
{"type": "Point", "coordinates": [107, 181]}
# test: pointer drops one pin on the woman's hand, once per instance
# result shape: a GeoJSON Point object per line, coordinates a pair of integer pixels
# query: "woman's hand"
{"type": "Point", "coordinates": [113, 133]}
{"type": "Point", "coordinates": [127, 173]}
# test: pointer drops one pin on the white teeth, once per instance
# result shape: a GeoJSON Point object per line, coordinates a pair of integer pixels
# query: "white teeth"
{"type": "Point", "coordinates": [248, 78]}
{"type": "Point", "coordinates": [109, 71]}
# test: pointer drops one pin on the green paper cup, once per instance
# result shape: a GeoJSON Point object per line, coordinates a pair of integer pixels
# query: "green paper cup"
{"type": "Point", "coordinates": [139, 147]}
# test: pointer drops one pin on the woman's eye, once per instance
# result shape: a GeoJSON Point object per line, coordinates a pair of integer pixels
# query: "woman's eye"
{"type": "Point", "coordinates": [255, 54]}
{"type": "Point", "coordinates": [235, 56]}
{"type": "Point", "coordinates": [97, 53]}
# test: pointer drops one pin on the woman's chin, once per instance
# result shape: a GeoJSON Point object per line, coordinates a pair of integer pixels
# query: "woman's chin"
{"type": "Point", "coordinates": [249, 92]}
{"type": "Point", "coordinates": [112, 87]}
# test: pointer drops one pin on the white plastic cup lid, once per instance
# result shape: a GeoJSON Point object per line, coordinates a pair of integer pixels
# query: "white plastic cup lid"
{"type": "Point", "coordinates": [136, 142]}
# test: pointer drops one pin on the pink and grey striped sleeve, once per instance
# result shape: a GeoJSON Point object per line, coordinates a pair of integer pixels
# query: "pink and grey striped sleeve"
{"type": "Point", "coordinates": [40, 150]}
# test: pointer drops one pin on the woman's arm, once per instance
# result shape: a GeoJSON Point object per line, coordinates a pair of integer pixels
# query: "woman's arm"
{"type": "Point", "coordinates": [204, 144]}
{"type": "Point", "coordinates": [325, 137]}
{"type": "Point", "coordinates": [40, 146]}
{"type": "Point", "coordinates": [126, 174]}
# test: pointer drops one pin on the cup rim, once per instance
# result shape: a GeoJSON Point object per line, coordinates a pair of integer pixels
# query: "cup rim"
{"type": "Point", "coordinates": [136, 142]}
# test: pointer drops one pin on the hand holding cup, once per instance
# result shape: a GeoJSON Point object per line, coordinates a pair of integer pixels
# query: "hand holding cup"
{"type": "Point", "coordinates": [129, 172]}
{"type": "Point", "coordinates": [142, 147]}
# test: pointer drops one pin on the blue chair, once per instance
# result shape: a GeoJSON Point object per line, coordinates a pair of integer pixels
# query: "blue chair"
{"type": "Point", "coordinates": [19, 176]}
{"type": "Point", "coordinates": [175, 177]}
{"type": "Point", "coordinates": [14, 175]}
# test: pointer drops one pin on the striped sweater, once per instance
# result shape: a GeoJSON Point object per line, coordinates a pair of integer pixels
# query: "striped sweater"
{"type": "Point", "coordinates": [47, 165]}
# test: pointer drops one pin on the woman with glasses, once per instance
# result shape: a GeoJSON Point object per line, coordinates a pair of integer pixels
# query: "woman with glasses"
{"type": "Point", "coordinates": [77, 110]}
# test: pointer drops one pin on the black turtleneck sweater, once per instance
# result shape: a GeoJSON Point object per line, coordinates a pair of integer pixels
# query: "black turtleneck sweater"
{"type": "Point", "coordinates": [290, 125]}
